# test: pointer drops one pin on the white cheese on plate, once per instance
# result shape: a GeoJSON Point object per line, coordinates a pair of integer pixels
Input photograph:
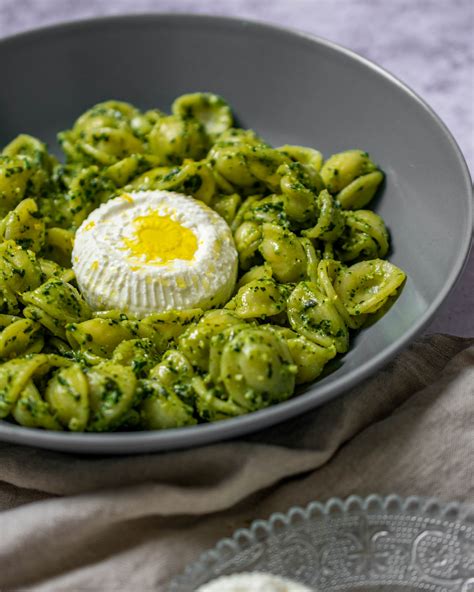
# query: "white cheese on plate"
{"type": "Point", "coordinates": [153, 251]}
{"type": "Point", "coordinates": [252, 582]}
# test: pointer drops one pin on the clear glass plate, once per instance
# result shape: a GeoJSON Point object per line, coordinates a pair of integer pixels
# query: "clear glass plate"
{"type": "Point", "coordinates": [378, 543]}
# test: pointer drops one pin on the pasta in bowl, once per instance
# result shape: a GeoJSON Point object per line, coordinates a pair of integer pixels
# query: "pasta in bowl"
{"type": "Point", "coordinates": [81, 354]}
{"type": "Point", "coordinates": [295, 90]}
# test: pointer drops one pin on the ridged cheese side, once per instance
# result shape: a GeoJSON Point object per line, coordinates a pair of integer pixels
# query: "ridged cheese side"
{"type": "Point", "coordinates": [111, 277]}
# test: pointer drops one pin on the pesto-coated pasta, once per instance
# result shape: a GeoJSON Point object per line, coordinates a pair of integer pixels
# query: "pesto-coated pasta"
{"type": "Point", "coordinates": [259, 299]}
{"type": "Point", "coordinates": [312, 268]}
{"type": "Point", "coordinates": [285, 254]}
{"type": "Point", "coordinates": [112, 392]}
{"type": "Point", "coordinates": [68, 396]}
{"type": "Point", "coordinates": [163, 409]}
{"type": "Point", "coordinates": [174, 138]}
{"type": "Point", "coordinates": [312, 314]}
{"type": "Point", "coordinates": [255, 367]}
{"type": "Point", "coordinates": [210, 110]}
{"type": "Point", "coordinates": [23, 226]}
{"type": "Point", "coordinates": [32, 411]}
{"type": "Point", "coordinates": [364, 236]}
{"type": "Point", "coordinates": [195, 342]}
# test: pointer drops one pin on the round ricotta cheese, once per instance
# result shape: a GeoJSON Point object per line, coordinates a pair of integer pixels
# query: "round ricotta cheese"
{"type": "Point", "coordinates": [153, 251]}
{"type": "Point", "coordinates": [252, 582]}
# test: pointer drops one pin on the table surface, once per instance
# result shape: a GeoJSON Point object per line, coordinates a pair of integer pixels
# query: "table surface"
{"type": "Point", "coordinates": [428, 44]}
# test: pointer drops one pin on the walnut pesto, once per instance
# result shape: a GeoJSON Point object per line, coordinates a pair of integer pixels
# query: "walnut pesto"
{"type": "Point", "coordinates": [312, 269]}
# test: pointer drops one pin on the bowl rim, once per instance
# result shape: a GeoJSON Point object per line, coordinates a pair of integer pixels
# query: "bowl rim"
{"type": "Point", "coordinates": [201, 434]}
{"type": "Point", "coordinates": [390, 504]}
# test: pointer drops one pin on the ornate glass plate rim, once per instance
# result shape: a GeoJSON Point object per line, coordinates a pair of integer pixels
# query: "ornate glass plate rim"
{"type": "Point", "coordinates": [412, 543]}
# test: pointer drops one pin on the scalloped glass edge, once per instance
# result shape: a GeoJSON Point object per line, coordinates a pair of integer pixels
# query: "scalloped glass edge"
{"type": "Point", "coordinates": [242, 538]}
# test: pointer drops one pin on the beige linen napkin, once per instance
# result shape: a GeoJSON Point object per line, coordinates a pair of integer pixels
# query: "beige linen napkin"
{"type": "Point", "coordinates": [131, 523]}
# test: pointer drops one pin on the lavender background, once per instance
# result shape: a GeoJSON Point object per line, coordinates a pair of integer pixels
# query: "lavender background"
{"type": "Point", "coordinates": [429, 44]}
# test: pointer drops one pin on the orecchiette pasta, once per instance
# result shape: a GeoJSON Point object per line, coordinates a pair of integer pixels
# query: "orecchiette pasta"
{"type": "Point", "coordinates": [282, 250]}
{"type": "Point", "coordinates": [330, 222]}
{"type": "Point", "coordinates": [195, 342]}
{"type": "Point", "coordinates": [269, 209]}
{"type": "Point", "coordinates": [227, 206]}
{"type": "Point", "coordinates": [32, 411]}
{"type": "Point", "coordinates": [68, 396]}
{"type": "Point", "coordinates": [210, 110]}
{"type": "Point", "coordinates": [259, 299]}
{"type": "Point", "coordinates": [365, 286]}
{"type": "Point", "coordinates": [364, 236]}
{"type": "Point", "coordinates": [99, 336]}
{"type": "Point", "coordinates": [248, 238]}
{"type": "Point", "coordinates": [112, 392]}
{"type": "Point", "coordinates": [252, 366]}
{"type": "Point", "coordinates": [174, 138]}
{"type": "Point", "coordinates": [311, 268]}
{"type": "Point", "coordinates": [14, 376]}
{"type": "Point", "coordinates": [309, 357]}
{"type": "Point", "coordinates": [15, 173]}
{"type": "Point", "coordinates": [308, 157]}
{"type": "Point", "coordinates": [163, 409]}
{"type": "Point", "coordinates": [23, 226]}
{"type": "Point", "coordinates": [21, 337]}
{"type": "Point", "coordinates": [54, 304]}
{"type": "Point", "coordinates": [328, 270]}
{"type": "Point", "coordinates": [341, 169]}
{"type": "Point", "coordinates": [312, 314]}
{"type": "Point", "coordinates": [300, 186]}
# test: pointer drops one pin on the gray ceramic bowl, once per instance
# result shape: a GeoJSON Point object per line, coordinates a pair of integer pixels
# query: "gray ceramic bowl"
{"type": "Point", "coordinates": [291, 88]}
